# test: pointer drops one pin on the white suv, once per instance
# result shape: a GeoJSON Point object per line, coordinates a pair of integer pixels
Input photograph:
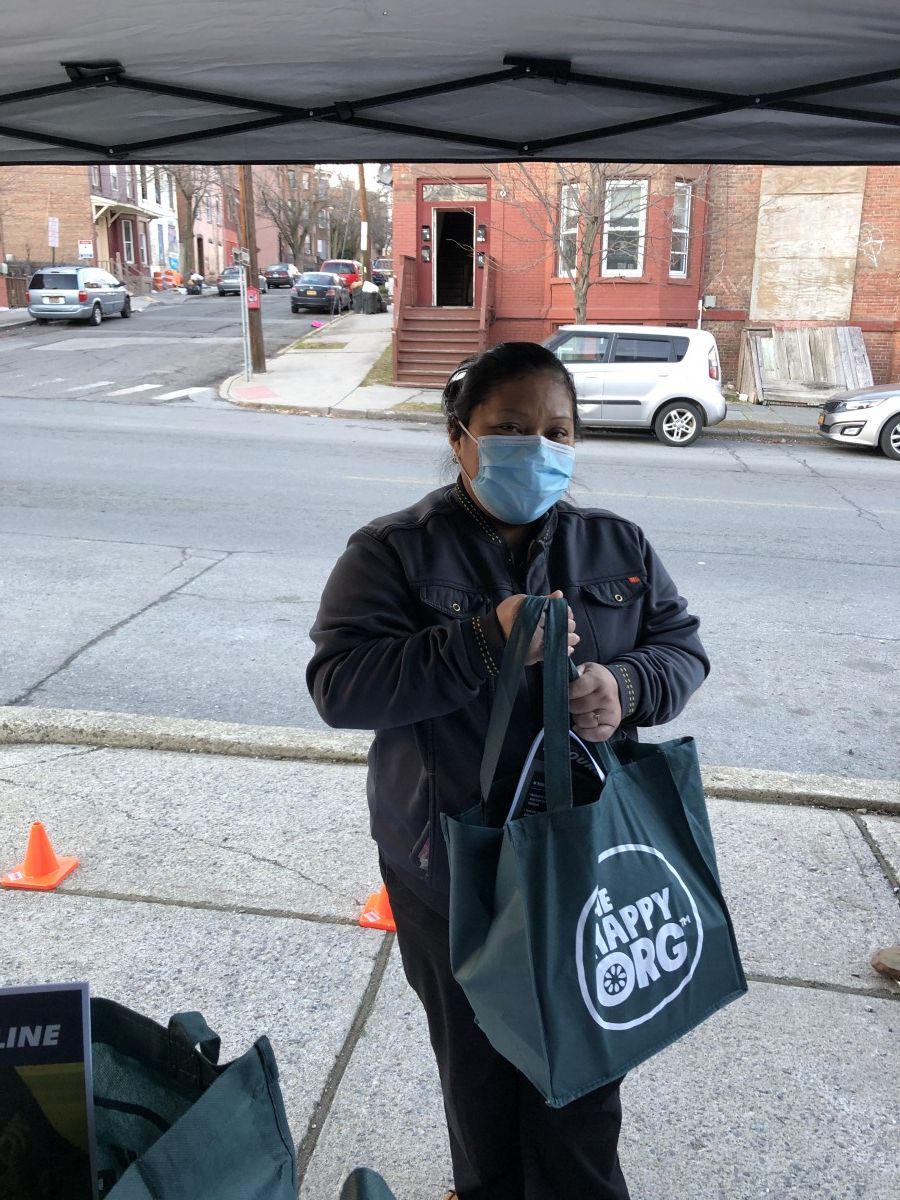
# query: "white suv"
{"type": "Point", "coordinates": [644, 377]}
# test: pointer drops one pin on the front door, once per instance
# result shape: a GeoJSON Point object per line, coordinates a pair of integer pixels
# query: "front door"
{"type": "Point", "coordinates": [453, 257]}
{"type": "Point", "coordinates": [453, 219]}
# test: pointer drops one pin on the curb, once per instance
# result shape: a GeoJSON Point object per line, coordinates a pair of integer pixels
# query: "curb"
{"type": "Point", "coordinates": [49, 726]}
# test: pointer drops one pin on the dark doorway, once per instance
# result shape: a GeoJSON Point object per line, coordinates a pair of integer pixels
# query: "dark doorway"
{"type": "Point", "coordinates": [201, 258]}
{"type": "Point", "coordinates": [454, 235]}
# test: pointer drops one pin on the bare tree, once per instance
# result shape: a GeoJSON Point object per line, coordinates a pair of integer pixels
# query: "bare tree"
{"type": "Point", "coordinates": [293, 209]}
{"type": "Point", "coordinates": [192, 184]}
{"type": "Point", "coordinates": [590, 218]}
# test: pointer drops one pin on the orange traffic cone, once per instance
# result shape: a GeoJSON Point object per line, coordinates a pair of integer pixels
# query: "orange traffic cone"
{"type": "Point", "coordinates": [376, 913]}
{"type": "Point", "coordinates": [42, 869]}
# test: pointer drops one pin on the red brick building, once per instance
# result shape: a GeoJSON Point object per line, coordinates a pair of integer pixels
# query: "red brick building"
{"type": "Point", "coordinates": [482, 254]}
{"type": "Point", "coordinates": [485, 254]}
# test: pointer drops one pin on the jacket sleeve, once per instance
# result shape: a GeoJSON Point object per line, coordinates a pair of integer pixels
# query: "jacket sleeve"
{"type": "Point", "coordinates": [658, 677]}
{"type": "Point", "coordinates": [374, 665]}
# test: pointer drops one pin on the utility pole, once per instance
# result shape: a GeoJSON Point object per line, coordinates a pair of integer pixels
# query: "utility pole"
{"type": "Point", "coordinates": [364, 242]}
{"type": "Point", "coordinates": [248, 237]}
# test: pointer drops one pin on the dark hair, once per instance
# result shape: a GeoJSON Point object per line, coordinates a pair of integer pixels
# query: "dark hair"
{"type": "Point", "coordinates": [475, 378]}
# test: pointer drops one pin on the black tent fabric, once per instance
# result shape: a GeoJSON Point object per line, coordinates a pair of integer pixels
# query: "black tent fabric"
{"type": "Point", "coordinates": [777, 81]}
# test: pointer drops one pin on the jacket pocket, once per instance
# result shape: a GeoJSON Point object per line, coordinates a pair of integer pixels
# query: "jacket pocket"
{"type": "Point", "coordinates": [456, 602]}
{"type": "Point", "coordinates": [608, 616]}
{"type": "Point", "coordinates": [618, 592]}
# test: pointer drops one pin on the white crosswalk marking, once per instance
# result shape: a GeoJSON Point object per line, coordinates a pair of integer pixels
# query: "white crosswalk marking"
{"type": "Point", "coordinates": [191, 391]}
{"type": "Point", "coordinates": [138, 387]}
{"type": "Point", "coordinates": [86, 387]}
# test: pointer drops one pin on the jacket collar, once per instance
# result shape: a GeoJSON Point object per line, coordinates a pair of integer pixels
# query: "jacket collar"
{"type": "Point", "coordinates": [543, 535]}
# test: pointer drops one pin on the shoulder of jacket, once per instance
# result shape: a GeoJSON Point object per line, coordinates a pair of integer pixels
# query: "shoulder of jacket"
{"type": "Point", "coordinates": [410, 520]}
{"type": "Point", "coordinates": [599, 519]}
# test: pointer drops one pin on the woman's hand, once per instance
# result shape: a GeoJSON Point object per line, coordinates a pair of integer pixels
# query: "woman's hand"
{"type": "Point", "coordinates": [594, 703]}
{"type": "Point", "coordinates": [508, 610]}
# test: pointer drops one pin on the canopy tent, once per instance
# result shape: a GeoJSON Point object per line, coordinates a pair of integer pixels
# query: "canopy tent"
{"type": "Point", "coordinates": [801, 81]}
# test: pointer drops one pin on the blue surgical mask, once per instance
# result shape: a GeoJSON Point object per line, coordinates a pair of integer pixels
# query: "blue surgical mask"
{"type": "Point", "coordinates": [520, 476]}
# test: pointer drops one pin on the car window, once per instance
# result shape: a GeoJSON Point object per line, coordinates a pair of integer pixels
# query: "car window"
{"type": "Point", "coordinates": [641, 349]}
{"type": "Point", "coordinates": [583, 348]}
{"type": "Point", "coordinates": [680, 347]}
{"type": "Point", "coordinates": [64, 280]}
{"type": "Point", "coordinates": [318, 277]}
{"type": "Point", "coordinates": [339, 267]}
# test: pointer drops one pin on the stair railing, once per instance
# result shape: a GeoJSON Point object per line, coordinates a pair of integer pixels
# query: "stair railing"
{"type": "Point", "coordinates": [404, 299]}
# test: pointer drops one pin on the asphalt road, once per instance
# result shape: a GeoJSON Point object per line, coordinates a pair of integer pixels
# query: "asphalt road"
{"type": "Point", "coordinates": [174, 352]}
{"type": "Point", "coordinates": [169, 560]}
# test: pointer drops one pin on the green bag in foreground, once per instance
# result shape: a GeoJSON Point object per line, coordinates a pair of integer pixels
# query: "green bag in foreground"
{"type": "Point", "coordinates": [589, 937]}
{"type": "Point", "coordinates": [173, 1125]}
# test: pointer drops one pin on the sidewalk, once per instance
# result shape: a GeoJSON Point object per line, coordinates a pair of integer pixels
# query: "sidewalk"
{"type": "Point", "coordinates": [227, 875]}
{"type": "Point", "coordinates": [324, 376]}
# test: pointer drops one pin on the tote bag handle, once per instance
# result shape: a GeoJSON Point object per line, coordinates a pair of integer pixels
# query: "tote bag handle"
{"type": "Point", "coordinates": [557, 769]}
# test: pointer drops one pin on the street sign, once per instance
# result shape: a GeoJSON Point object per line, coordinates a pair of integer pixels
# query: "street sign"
{"type": "Point", "coordinates": [242, 257]}
{"type": "Point", "coordinates": [53, 232]}
{"type": "Point", "coordinates": [85, 248]}
{"type": "Point", "coordinates": [252, 297]}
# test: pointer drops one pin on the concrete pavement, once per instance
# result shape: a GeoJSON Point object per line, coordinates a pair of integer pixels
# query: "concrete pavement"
{"type": "Point", "coordinates": [324, 372]}
{"type": "Point", "coordinates": [227, 874]}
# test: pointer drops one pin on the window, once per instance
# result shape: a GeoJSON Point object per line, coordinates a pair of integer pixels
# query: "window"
{"type": "Point", "coordinates": [207, 204]}
{"type": "Point", "coordinates": [623, 227]}
{"type": "Point", "coordinates": [583, 348]}
{"type": "Point", "coordinates": [292, 179]}
{"type": "Point", "coordinates": [114, 180]}
{"type": "Point", "coordinates": [323, 188]}
{"type": "Point", "coordinates": [128, 241]}
{"type": "Point", "coordinates": [142, 238]}
{"type": "Point", "coordinates": [642, 350]}
{"type": "Point", "coordinates": [217, 209]}
{"type": "Point", "coordinates": [681, 229]}
{"type": "Point", "coordinates": [128, 182]}
{"type": "Point", "coordinates": [568, 229]}
{"type": "Point", "coordinates": [307, 245]}
{"type": "Point", "coordinates": [322, 218]}
{"type": "Point", "coordinates": [306, 181]}
{"type": "Point", "coordinates": [95, 177]}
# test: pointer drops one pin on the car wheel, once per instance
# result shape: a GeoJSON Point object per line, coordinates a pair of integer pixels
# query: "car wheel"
{"type": "Point", "coordinates": [126, 309]}
{"type": "Point", "coordinates": [96, 316]}
{"type": "Point", "coordinates": [678, 423]}
{"type": "Point", "coordinates": [890, 438]}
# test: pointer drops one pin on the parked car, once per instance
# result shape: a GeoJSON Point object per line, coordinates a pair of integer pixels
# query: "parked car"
{"type": "Point", "coordinates": [229, 282]}
{"type": "Point", "coordinates": [320, 291]}
{"type": "Point", "coordinates": [644, 377]}
{"type": "Point", "coordinates": [382, 270]}
{"type": "Point", "coordinates": [281, 275]}
{"type": "Point", "coordinates": [73, 293]}
{"type": "Point", "coordinates": [349, 269]}
{"type": "Point", "coordinates": [865, 417]}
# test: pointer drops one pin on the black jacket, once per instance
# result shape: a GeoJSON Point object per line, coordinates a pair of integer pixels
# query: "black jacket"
{"type": "Point", "coordinates": [407, 644]}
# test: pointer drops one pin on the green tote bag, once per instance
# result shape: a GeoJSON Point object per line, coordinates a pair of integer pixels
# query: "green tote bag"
{"type": "Point", "coordinates": [590, 935]}
{"type": "Point", "coordinates": [174, 1124]}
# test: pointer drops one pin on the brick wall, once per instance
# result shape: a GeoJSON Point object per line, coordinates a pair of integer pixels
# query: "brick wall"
{"type": "Point", "coordinates": [531, 299]}
{"type": "Point", "coordinates": [29, 195]}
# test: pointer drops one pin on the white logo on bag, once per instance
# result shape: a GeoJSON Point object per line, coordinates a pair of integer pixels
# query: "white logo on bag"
{"type": "Point", "coordinates": [642, 953]}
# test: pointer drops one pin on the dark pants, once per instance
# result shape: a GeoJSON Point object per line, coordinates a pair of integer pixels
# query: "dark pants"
{"type": "Point", "coordinates": [505, 1141]}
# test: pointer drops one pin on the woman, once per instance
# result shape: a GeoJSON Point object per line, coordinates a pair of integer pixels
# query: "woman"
{"type": "Point", "coordinates": [409, 638]}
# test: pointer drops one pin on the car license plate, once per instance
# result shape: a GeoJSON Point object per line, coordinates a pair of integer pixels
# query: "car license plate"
{"type": "Point", "coordinates": [311, 292]}
{"type": "Point", "coordinates": [54, 299]}
{"type": "Point", "coordinates": [821, 418]}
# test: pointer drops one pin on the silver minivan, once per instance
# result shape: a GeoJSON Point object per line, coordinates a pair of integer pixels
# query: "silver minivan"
{"type": "Point", "coordinates": [655, 377]}
{"type": "Point", "coordinates": [62, 293]}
